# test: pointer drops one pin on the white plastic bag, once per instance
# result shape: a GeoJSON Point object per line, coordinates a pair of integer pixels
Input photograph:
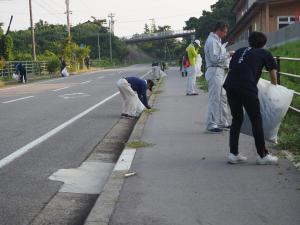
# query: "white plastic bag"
{"type": "Point", "coordinates": [65, 72]}
{"type": "Point", "coordinates": [15, 76]}
{"type": "Point", "coordinates": [274, 103]}
{"type": "Point", "coordinates": [198, 66]}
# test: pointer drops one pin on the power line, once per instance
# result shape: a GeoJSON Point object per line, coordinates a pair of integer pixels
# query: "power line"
{"type": "Point", "coordinates": [43, 7]}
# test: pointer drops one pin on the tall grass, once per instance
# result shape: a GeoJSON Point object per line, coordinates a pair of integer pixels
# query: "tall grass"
{"type": "Point", "coordinates": [289, 133]}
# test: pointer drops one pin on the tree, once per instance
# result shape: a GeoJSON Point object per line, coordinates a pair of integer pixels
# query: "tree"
{"type": "Point", "coordinates": [6, 45]}
{"type": "Point", "coordinates": [220, 11]}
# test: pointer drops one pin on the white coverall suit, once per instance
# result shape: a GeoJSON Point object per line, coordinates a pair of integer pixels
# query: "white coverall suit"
{"type": "Point", "coordinates": [131, 103]}
{"type": "Point", "coordinates": [217, 60]}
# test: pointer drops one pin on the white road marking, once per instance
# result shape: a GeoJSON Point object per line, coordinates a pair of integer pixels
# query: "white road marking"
{"type": "Point", "coordinates": [100, 78]}
{"type": "Point", "coordinates": [59, 89]}
{"type": "Point", "coordinates": [18, 153]}
{"type": "Point", "coordinates": [86, 82]}
{"type": "Point", "coordinates": [10, 158]}
{"type": "Point", "coordinates": [18, 99]}
{"type": "Point", "coordinates": [88, 178]}
{"type": "Point", "coordinates": [125, 160]}
{"type": "Point", "coordinates": [74, 95]}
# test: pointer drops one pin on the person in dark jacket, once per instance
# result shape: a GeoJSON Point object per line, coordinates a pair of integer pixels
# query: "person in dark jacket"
{"type": "Point", "coordinates": [134, 93]}
{"type": "Point", "coordinates": [20, 69]}
{"type": "Point", "coordinates": [241, 86]}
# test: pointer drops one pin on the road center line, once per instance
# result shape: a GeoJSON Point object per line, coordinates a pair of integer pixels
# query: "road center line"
{"type": "Point", "coordinates": [59, 89]}
{"type": "Point", "coordinates": [18, 99]}
{"type": "Point", "coordinates": [18, 153]}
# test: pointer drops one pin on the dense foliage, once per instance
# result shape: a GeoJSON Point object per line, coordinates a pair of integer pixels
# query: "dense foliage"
{"type": "Point", "coordinates": [220, 11]}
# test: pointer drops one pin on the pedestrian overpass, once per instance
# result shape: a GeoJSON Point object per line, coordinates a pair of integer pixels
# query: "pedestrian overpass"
{"type": "Point", "coordinates": [136, 38]}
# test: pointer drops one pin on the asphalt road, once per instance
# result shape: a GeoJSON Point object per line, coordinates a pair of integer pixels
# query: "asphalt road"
{"type": "Point", "coordinates": [47, 126]}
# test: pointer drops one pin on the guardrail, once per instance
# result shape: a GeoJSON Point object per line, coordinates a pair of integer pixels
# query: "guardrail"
{"type": "Point", "coordinates": [279, 59]}
{"type": "Point", "coordinates": [32, 67]}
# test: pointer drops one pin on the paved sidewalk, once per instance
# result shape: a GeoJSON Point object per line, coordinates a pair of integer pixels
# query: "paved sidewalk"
{"type": "Point", "coordinates": [184, 179]}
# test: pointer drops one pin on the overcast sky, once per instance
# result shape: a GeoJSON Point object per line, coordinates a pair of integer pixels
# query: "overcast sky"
{"type": "Point", "coordinates": [130, 15]}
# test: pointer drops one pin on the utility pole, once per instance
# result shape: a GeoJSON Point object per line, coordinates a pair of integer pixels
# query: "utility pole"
{"type": "Point", "coordinates": [111, 24]}
{"type": "Point", "coordinates": [68, 17]}
{"type": "Point", "coordinates": [32, 32]}
{"type": "Point", "coordinates": [99, 54]}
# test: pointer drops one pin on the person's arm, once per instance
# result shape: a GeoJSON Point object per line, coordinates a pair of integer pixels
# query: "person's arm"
{"type": "Point", "coordinates": [273, 76]}
{"type": "Point", "coordinates": [143, 97]}
{"type": "Point", "coordinates": [215, 53]}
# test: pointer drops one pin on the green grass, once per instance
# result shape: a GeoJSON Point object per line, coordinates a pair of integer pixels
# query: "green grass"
{"type": "Point", "coordinates": [139, 144]}
{"type": "Point", "coordinates": [202, 83]}
{"type": "Point", "coordinates": [289, 132]}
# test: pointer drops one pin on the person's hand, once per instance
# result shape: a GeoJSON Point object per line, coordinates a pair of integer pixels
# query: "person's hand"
{"type": "Point", "coordinates": [231, 53]}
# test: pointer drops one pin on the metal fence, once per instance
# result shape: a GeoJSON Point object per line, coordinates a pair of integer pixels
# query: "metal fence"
{"type": "Point", "coordinates": [279, 60]}
{"type": "Point", "coordinates": [32, 68]}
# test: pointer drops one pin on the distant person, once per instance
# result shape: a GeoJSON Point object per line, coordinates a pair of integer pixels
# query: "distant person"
{"type": "Point", "coordinates": [241, 85]}
{"type": "Point", "coordinates": [63, 68]}
{"type": "Point", "coordinates": [20, 69]}
{"type": "Point", "coordinates": [134, 93]}
{"type": "Point", "coordinates": [192, 53]}
{"type": "Point", "coordinates": [155, 70]}
{"type": "Point", "coordinates": [183, 70]}
{"type": "Point", "coordinates": [163, 66]}
{"type": "Point", "coordinates": [87, 62]}
{"type": "Point", "coordinates": [217, 59]}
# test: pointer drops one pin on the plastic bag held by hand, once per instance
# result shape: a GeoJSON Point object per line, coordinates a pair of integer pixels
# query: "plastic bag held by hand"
{"type": "Point", "coordinates": [198, 66]}
{"type": "Point", "coordinates": [15, 76]}
{"type": "Point", "coordinates": [274, 104]}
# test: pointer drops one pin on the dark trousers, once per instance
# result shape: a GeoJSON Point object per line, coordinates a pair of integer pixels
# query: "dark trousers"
{"type": "Point", "coordinates": [237, 99]}
{"type": "Point", "coordinates": [23, 76]}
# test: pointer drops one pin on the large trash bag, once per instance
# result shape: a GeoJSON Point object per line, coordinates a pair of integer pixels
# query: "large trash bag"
{"type": "Point", "coordinates": [198, 66]}
{"type": "Point", "coordinates": [274, 104]}
{"type": "Point", "coordinates": [65, 72]}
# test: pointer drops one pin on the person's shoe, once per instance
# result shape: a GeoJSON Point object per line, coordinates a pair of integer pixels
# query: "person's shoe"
{"type": "Point", "coordinates": [195, 94]}
{"type": "Point", "coordinates": [225, 127]}
{"type": "Point", "coordinates": [234, 159]}
{"type": "Point", "coordinates": [267, 160]}
{"type": "Point", "coordinates": [215, 130]}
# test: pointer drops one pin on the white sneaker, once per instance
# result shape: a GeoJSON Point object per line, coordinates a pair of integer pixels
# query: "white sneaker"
{"type": "Point", "coordinates": [234, 159]}
{"type": "Point", "coordinates": [267, 160]}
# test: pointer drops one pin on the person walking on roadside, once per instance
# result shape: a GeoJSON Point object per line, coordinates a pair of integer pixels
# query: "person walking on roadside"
{"type": "Point", "coordinates": [217, 59]}
{"type": "Point", "coordinates": [20, 69]}
{"type": "Point", "coordinates": [134, 93]}
{"type": "Point", "coordinates": [192, 52]}
{"type": "Point", "coordinates": [241, 86]}
{"type": "Point", "coordinates": [182, 66]}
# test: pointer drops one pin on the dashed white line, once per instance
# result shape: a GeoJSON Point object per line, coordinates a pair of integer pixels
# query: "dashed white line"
{"type": "Point", "coordinates": [10, 158]}
{"type": "Point", "coordinates": [59, 89]}
{"type": "Point", "coordinates": [86, 82]}
{"type": "Point", "coordinates": [18, 99]}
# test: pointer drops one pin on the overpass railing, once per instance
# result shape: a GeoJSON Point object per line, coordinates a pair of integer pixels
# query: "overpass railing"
{"type": "Point", "coordinates": [159, 34]}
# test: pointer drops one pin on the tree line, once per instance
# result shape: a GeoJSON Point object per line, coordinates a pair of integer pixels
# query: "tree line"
{"type": "Point", "coordinates": [52, 42]}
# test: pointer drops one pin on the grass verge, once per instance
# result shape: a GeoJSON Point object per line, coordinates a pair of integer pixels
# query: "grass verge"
{"type": "Point", "coordinates": [138, 144]}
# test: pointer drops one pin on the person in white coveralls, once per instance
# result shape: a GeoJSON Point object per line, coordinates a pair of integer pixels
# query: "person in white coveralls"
{"type": "Point", "coordinates": [217, 60]}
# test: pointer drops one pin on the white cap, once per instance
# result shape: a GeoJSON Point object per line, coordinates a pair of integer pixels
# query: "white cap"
{"type": "Point", "coordinates": [197, 42]}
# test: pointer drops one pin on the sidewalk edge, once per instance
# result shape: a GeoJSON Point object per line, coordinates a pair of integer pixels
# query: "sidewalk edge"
{"type": "Point", "coordinates": [105, 204]}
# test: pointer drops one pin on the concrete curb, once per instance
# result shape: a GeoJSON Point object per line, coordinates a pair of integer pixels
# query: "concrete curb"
{"type": "Point", "coordinates": [105, 204]}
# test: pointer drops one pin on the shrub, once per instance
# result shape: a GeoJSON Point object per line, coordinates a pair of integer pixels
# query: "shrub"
{"type": "Point", "coordinates": [53, 64]}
